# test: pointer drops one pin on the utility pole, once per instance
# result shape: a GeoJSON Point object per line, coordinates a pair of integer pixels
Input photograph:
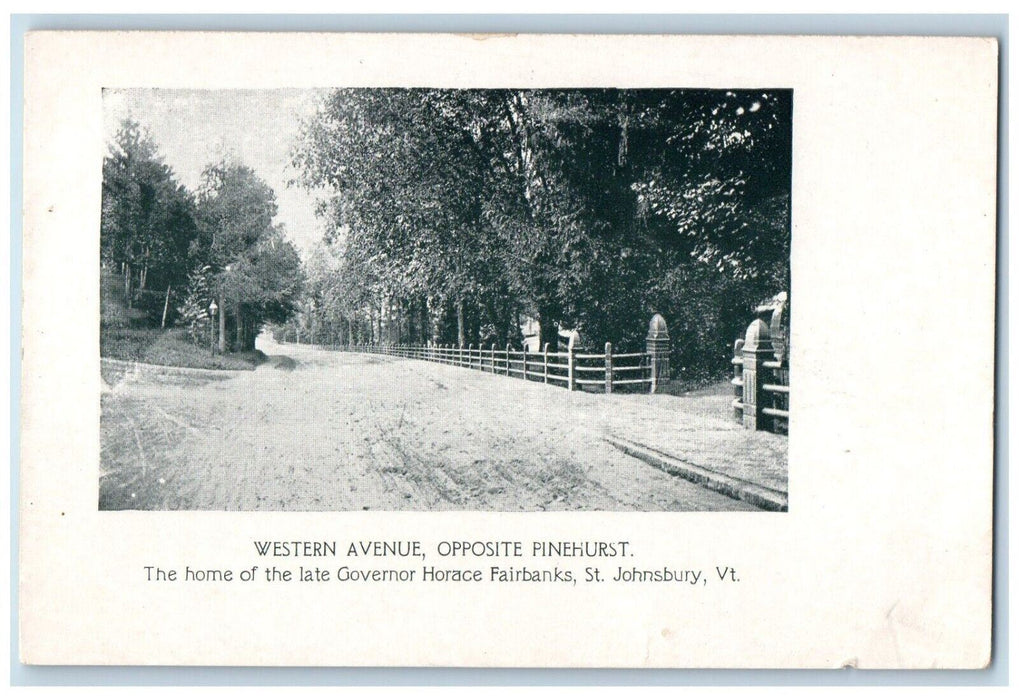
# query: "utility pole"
{"type": "Point", "coordinates": [222, 322]}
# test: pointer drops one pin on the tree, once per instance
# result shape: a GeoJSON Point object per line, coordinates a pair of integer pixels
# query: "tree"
{"type": "Point", "coordinates": [407, 174]}
{"type": "Point", "coordinates": [722, 185]}
{"type": "Point", "coordinates": [582, 208]}
{"type": "Point", "coordinates": [148, 219]}
{"type": "Point", "coordinates": [265, 283]}
{"type": "Point", "coordinates": [194, 306]}
{"type": "Point", "coordinates": [256, 271]}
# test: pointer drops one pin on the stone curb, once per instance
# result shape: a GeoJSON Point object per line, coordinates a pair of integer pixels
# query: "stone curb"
{"type": "Point", "coordinates": [142, 367]}
{"type": "Point", "coordinates": [754, 494]}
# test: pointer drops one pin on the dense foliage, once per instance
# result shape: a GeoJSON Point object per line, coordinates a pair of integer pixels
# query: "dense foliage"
{"type": "Point", "coordinates": [454, 214]}
{"type": "Point", "coordinates": [148, 219]}
{"type": "Point", "coordinates": [177, 251]}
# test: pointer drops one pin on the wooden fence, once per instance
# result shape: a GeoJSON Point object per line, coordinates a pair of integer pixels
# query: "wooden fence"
{"type": "Point", "coordinates": [573, 369]}
{"type": "Point", "coordinates": [761, 381]}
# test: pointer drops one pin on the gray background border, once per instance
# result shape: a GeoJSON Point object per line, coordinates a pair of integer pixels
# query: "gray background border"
{"type": "Point", "coordinates": [895, 25]}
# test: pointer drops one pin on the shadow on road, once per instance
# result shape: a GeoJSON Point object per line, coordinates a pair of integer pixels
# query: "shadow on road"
{"type": "Point", "coordinates": [282, 362]}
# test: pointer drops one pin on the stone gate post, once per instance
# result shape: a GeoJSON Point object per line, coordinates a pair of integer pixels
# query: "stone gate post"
{"type": "Point", "coordinates": [737, 380]}
{"type": "Point", "coordinates": [757, 348]}
{"type": "Point", "coordinates": [658, 348]}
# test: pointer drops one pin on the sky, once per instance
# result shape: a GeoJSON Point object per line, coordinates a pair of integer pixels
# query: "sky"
{"type": "Point", "coordinates": [195, 128]}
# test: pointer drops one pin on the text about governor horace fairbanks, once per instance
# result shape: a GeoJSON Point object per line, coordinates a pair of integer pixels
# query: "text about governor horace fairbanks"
{"type": "Point", "coordinates": [415, 562]}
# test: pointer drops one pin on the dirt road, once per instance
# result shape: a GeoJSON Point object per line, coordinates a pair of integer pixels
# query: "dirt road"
{"type": "Point", "coordinates": [314, 429]}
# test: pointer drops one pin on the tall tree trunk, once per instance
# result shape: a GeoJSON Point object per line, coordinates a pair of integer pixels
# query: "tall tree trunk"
{"type": "Point", "coordinates": [420, 312]}
{"type": "Point", "coordinates": [144, 276]}
{"type": "Point", "coordinates": [127, 285]}
{"type": "Point", "coordinates": [166, 307]}
{"type": "Point", "coordinates": [426, 321]}
{"type": "Point", "coordinates": [433, 309]}
{"type": "Point", "coordinates": [461, 332]}
{"type": "Point", "coordinates": [397, 316]}
{"type": "Point", "coordinates": [240, 327]}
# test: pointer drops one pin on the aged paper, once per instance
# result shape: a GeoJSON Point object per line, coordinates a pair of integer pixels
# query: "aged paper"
{"type": "Point", "coordinates": [872, 550]}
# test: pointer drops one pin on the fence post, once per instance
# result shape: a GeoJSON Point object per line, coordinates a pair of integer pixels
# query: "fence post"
{"type": "Point", "coordinates": [658, 348]}
{"type": "Point", "coordinates": [470, 356]}
{"type": "Point", "coordinates": [544, 363]}
{"type": "Point", "coordinates": [507, 360]}
{"type": "Point", "coordinates": [525, 363]}
{"type": "Point", "coordinates": [756, 349]}
{"type": "Point", "coordinates": [737, 379]}
{"type": "Point", "coordinates": [608, 368]}
{"type": "Point", "coordinates": [570, 381]}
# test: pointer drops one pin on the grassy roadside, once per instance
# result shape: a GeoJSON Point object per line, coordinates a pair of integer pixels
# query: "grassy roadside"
{"type": "Point", "coordinates": [170, 347]}
{"type": "Point", "coordinates": [131, 335]}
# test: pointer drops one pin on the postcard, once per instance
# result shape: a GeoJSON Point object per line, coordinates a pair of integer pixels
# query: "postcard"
{"type": "Point", "coordinates": [507, 351]}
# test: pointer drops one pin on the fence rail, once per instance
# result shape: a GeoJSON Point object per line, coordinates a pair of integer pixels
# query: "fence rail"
{"type": "Point", "coordinates": [570, 369]}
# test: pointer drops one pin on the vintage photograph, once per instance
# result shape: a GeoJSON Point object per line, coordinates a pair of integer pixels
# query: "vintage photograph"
{"type": "Point", "coordinates": [483, 344]}
{"type": "Point", "coordinates": [359, 299]}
